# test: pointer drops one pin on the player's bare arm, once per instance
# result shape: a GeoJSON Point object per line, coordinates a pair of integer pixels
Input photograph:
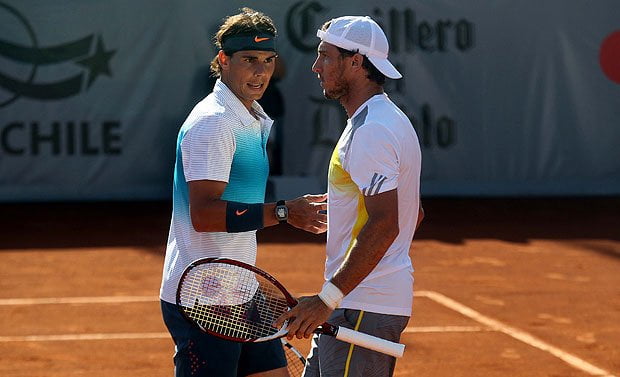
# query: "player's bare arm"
{"type": "Point", "coordinates": [374, 239]}
{"type": "Point", "coordinates": [208, 211]}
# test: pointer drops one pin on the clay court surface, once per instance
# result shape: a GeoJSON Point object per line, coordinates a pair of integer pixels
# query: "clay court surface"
{"type": "Point", "coordinates": [522, 287]}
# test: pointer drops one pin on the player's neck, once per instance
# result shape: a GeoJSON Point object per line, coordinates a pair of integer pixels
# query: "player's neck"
{"type": "Point", "coordinates": [358, 94]}
{"type": "Point", "coordinates": [246, 102]}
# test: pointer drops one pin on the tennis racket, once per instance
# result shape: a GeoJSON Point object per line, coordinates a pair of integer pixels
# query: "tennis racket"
{"type": "Point", "coordinates": [239, 302]}
{"type": "Point", "coordinates": [295, 362]}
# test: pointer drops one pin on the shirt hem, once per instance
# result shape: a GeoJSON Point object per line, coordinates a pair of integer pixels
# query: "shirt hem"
{"type": "Point", "coordinates": [376, 308]}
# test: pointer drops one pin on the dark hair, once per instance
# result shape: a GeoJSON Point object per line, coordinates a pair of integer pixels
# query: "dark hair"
{"type": "Point", "coordinates": [248, 21]}
{"type": "Point", "coordinates": [373, 74]}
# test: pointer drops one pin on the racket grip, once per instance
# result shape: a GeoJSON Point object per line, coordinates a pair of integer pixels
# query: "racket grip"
{"type": "Point", "coordinates": [371, 342]}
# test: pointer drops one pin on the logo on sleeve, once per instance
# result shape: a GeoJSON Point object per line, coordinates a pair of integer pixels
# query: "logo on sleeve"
{"type": "Point", "coordinates": [375, 185]}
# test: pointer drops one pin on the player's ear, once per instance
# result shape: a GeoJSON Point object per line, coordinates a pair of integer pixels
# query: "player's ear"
{"type": "Point", "coordinates": [223, 59]}
{"type": "Point", "coordinates": [356, 60]}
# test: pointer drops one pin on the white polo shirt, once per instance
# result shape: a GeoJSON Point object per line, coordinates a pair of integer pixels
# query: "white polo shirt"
{"type": "Point", "coordinates": [221, 141]}
{"type": "Point", "coordinates": [377, 152]}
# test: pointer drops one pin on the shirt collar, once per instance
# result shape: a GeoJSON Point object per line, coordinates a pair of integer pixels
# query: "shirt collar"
{"type": "Point", "coordinates": [232, 101]}
{"type": "Point", "coordinates": [363, 105]}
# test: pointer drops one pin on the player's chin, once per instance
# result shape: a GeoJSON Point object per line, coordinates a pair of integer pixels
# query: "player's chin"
{"type": "Point", "coordinates": [332, 94]}
{"type": "Point", "coordinates": [257, 94]}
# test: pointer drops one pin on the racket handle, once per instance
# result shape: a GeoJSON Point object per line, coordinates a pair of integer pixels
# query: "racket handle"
{"type": "Point", "coordinates": [371, 342]}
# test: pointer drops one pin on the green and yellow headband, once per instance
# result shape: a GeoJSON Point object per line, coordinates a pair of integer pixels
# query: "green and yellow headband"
{"type": "Point", "coordinates": [256, 41]}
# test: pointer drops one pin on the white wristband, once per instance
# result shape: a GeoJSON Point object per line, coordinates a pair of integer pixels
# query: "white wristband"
{"type": "Point", "coordinates": [331, 295]}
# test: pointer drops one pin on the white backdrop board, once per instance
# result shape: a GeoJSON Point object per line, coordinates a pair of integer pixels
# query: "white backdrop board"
{"type": "Point", "coordinates": [509, 98]}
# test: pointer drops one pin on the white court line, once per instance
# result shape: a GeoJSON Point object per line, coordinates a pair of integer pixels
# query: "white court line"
{"type": "Point", "coordinates": [432, 329]}
{"type": "Point", "coordinates": [492, 324]}
{"type": "Point", "coordinates": [77, 300]}
{"type": "Point", "coordinates": [165, 335]}
{"type": "Point", "coordinates": [89, 300]}
{"type": "Point", "coordinates": [520, 335]}
{"type": "Point", "coordinates": [70, 337]}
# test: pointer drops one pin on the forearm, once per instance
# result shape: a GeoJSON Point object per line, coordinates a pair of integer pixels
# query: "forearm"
{"type": "Point", "coordinates": [215, 215]}
{"type": "Point", "coordinates": [372, 242]}
{"type": "Point", "coordinates": [269, 215]}
{"type": "Point", "coordinates": [218, 215]}
{"type": "Point", "coordinates": [208, 215]}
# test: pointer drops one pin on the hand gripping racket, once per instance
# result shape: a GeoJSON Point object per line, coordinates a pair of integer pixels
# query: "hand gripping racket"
{"type": "Point", "coordinates": [239, 302]}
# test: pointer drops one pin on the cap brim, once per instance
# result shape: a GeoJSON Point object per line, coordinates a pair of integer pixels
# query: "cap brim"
{"type": "Point", "coordinates": [384, 66]}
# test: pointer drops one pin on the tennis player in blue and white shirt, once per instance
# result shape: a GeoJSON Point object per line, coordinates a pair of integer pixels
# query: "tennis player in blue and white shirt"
{"type": "Point", "coordinates": [218, 199]}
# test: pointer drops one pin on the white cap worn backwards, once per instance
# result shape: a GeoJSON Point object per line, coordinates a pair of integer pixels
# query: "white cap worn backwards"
{"type": "Point", "coordinates": [364, 35]}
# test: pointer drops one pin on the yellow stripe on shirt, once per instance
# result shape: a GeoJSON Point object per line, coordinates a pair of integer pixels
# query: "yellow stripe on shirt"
{"type": "Point", "coordinates": [360, 221]}
{"type": "Point", "coordinates": [341, 180]}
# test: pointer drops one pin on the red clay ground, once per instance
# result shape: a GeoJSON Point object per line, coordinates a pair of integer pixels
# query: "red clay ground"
{"type": "Point", "coordinates": [521, 287]}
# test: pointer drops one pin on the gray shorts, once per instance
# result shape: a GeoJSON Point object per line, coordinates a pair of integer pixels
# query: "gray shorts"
{"type": "Point", "coordinates": [330, 357]}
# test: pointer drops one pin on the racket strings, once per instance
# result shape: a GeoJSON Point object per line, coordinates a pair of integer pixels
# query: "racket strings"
{"type": "Point", "coordinates": [231, 301]}
{"type": "Point", "coordinates": [295, 362]}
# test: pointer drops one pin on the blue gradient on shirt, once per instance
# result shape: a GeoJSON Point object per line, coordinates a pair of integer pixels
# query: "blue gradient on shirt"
{"type": "Point", "coordinates": [249, 170]}
{"type": "Point", "coordinates": [180, 194]}
{"type": "Point", "coordinates": [248, 173]}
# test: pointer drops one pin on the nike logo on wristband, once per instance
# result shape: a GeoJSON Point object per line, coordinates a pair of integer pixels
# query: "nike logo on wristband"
{"type": "Point", "coordinates": [257, 39]}
{"type": "Point", "coordinates": [239, 213]}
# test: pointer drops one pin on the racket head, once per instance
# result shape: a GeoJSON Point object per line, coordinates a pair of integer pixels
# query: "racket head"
{"type": "Point", "coordinates": [232, 300]}
{"type": "Point", "coordinates": [295, 362]}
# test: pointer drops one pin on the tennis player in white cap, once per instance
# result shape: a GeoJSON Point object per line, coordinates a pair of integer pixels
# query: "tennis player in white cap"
{"type": "Point", "coordinates": [373, 206]}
